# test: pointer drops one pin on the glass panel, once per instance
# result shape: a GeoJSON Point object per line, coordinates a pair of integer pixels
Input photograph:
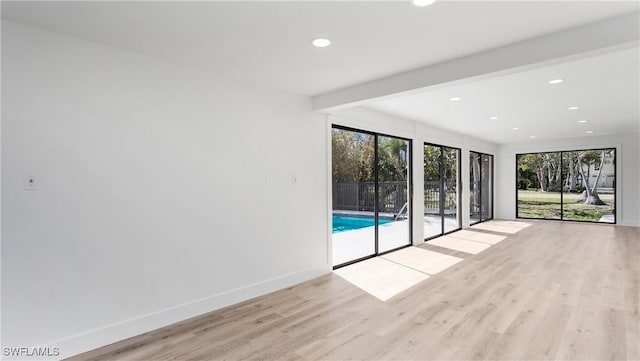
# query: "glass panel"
{"type": "Point", "coordinates": [450, 178]}
{"type": "Point", "coordinates": [474, 187]}
{"type": "Point", "coordinates": [539, 183]}
{"type": "Point", "coordinates": [353, 194]}
{"type": "Point", "coordinates": [432, 217]}
{"type": "Point", "coordinates": [486, 204]}
{"type": "Point", "coordinates": [393, 190]}
{"type": "Point", "coordinates": [589, 185]}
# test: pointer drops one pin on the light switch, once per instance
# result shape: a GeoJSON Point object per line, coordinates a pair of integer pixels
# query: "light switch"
{"type": "Point", "coordinates": [30, 183]}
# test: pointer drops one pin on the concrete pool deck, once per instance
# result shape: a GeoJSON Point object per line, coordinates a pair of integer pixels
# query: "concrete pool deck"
{"type": "Point", "coordinates": [358, 243]}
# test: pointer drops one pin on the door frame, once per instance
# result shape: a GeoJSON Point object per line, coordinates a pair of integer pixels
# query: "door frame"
{"type": "Point", "coordinates": [376, 135]}
{"type": "Point", "coordinates": [458, 191]}
{"type": "Point", "coordinates": [480, 154]}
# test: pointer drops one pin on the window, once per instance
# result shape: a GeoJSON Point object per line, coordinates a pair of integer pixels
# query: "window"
{"type": "Point", "coordinates": [570, 185]}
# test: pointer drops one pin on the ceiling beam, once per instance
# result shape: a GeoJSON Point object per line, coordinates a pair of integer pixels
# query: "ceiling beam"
{"type": "Point", "coordinates": [597, 38]}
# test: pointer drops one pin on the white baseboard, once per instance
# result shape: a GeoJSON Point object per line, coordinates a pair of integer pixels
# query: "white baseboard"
{"type": "Point", "coordinates": [92, 339]}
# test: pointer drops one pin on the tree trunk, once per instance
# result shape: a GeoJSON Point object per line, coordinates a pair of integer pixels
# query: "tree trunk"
{"type": "Point", "coordinates": [589, 195]}
{"type": "Point", "coordinates": [593, 199]}
{"type": "Point", "coordinates": [594, 190]}
{"type": "Point", "coordinates": [587, 191]}
{"type": "Point", "coordinates": [540, 174]}
{"type": "Point", "coordinates": [549, 176]}
{"type": "Point", "coordinates": [572, 175]}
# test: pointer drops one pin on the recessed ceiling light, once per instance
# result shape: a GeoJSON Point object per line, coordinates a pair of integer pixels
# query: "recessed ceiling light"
{"type": "Point", "coordinates": [582, 121]}
{"type": "Point", "coordinates": [321, 43]}
{"type": "Point", "coordinates": [423, 2]}
{"type": "Point", "coordinates": [574, 108]}
{"type": "Point", "coordinates": [556, 81]}
{"type": "Point", "coordinates": [532, 136]}
{"type": "Point", "coordinates": [589, 131]}
{"type": "Point", "coordinates": [515, 128]}
{"type": "Point", "coordinates": [455, 99]}
{"type": "Point", "coordinates": [493, 118]}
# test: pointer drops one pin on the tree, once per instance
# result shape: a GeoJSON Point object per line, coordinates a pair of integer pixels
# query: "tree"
{"type": "Point", "coordinates": [352, 156]}
{"type": "Point", "coordinates": [554, 171]}
{"type": "Point", "coordinates": [392, 159]}
{"type": "Point", "coordinates": [542, 169]}
{"type": "Point", "coordinates": [570, 168]}
{"type": "Point", "coordinates": [432, 162]}
{"type": "Point", "coordinates": [450, 176]}
{"type": "Point", "coordinates": [534, 163]}
{"type": "Point", "coordinates": [590, 158]}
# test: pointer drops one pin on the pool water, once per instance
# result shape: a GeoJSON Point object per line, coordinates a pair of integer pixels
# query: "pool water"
{"type": "Point", "coordinates": [344, 223]}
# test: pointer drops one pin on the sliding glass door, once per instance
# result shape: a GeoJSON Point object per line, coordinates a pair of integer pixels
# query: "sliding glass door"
{"type": "Point", "coordinates": [393, 193]}
{"type": "Point", "coordinates": [575, 185]}
{"type": "Point", "coordinates": [486, 187]}
{"type": "Point", "coordinates": [441, 195]}
{"type": "Point", "coordinates": [450, 188]}
{"type": "Point", "coordinates": [480, 187]}
{"type": "Point", "coordinates": [353, 164]}
{"type": "Point", "coordinates": [371, 203]}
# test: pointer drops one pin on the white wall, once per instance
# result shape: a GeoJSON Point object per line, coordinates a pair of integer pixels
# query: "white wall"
{"type": "Point", "coordinates": [162, 193]}
{"type": "Point", "coordinates": [628, 172]}
{"type": "Point", "coordinates": [419, 133]}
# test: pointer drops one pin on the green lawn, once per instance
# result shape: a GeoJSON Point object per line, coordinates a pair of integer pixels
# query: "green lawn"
{"type": "Point", "coordinates": [532, 204]}
{"type": "Point", "coordinates": [531, 208]}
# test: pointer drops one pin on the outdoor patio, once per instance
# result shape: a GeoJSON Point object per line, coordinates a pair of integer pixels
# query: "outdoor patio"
{"type": "Point", "coordinates": [358, 243]}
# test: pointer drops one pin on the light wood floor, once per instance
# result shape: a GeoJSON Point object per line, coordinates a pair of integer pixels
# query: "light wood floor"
{"type": "Point", "coordinates": [554, 290]}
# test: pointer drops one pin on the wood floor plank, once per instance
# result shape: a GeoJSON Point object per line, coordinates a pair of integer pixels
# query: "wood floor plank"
{"type": "Point", "coordinates": [544, 343]}
{"type": "Point", "coordinates": [549, 290]}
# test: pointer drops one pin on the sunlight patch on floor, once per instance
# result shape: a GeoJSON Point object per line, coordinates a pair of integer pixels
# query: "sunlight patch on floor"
{"type": "Point", "coordinates": [390, 274]}
{"type": "Point", "coordinates": [478, 236]}
{"type": "Point", "coordinates": [381, 278]}
{"type": "Point", "coordinates": [423, 260]}
{"type": "Point", "coordinates": [459, 244]}
{"type": "Point", "coordinates": [517, 224]}
{"type": "Point", "coordinates": [509, 227]}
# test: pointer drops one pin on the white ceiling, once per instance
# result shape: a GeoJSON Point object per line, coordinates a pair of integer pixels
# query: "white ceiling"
{"type": "Point", "coordinates": [268, 43]}
{"type": "Point", "coordinates": [605, 87]}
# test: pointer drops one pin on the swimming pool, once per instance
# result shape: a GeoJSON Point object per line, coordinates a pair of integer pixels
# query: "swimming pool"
{"type": "Point", "coordinates": [345, 223]}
